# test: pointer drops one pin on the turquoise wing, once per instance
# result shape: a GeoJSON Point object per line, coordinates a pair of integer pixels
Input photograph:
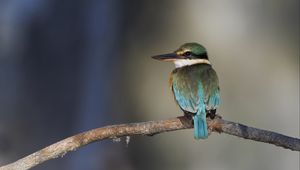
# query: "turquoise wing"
{"type": "Point", "coordinates": [194, 103]}
{"type": "Point", "coordinates": [211, 88]}
{"type": "Point", "coordinates": [213, 101]}
{"type": "Point", "coordinates": [196, 90]}
{"type": "Point", "coordinates": [188, 98]}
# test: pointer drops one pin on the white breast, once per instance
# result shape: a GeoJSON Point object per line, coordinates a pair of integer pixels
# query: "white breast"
{"type": "Point", "coordinates": [187, 62]}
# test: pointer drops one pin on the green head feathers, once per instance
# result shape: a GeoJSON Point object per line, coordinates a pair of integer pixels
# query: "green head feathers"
{"type": "Point", "coordinates": [194, 50]}
{"type": "Point", "coordinates": [188, 51]}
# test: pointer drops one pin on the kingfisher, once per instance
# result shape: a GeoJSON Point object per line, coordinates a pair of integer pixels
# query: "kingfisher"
{"type": "Point", "coordinates": [195, 85]}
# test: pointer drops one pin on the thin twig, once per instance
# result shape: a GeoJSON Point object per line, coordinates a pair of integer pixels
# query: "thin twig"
{"type": "Point", "coordinates": [149, 128]}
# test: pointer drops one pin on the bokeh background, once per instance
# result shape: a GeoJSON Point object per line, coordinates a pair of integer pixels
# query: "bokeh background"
{"type": "Point", "coordinates": [69, 66]}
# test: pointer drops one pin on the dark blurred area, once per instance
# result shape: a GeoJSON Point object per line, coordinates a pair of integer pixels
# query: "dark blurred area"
{"type": "Point", "coordinates": [70, 66]}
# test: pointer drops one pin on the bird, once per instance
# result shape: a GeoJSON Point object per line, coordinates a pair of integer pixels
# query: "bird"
{"type": "Point", "coordinates": [195, 85]}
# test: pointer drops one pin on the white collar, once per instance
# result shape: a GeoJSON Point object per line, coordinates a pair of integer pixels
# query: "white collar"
{"type": "Point", "coordinates": [187, 62]}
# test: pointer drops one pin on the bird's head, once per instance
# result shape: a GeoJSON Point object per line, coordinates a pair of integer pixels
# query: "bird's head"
{"type": "Point", "coordinates": [187, 54]}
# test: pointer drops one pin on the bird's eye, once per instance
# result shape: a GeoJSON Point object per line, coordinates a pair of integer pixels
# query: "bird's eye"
{"type": "Point", "coordinates": [188, 53]}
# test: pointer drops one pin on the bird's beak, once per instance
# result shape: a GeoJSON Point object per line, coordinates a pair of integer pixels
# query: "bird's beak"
{"type": "Point", "coordinates": [167, 57]}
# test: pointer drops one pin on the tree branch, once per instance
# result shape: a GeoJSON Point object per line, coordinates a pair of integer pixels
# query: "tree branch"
{"type": "Point", "coordinates": [149, 128]}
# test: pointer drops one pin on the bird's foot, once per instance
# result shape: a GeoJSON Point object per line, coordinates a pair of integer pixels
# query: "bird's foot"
{"type": "Point", "coordinates": [187, 119]}
{"type": "Point", "coordinates": [188, 115]}
{"type": "Point", "coordinates": [212, 114]}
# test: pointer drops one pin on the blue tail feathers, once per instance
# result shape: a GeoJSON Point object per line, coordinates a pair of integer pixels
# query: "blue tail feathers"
{"type": "Point", "coordinates": [200, 126]}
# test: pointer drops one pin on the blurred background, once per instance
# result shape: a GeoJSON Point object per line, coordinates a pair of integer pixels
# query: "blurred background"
{"type": "Point", "coordinates": [70, 66]}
